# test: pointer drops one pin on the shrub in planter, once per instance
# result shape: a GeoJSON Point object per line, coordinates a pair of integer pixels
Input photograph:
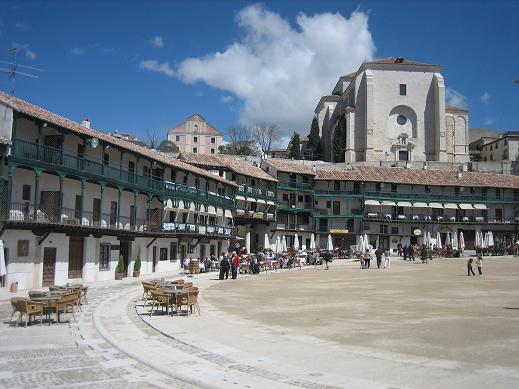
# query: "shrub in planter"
{"type": "Point", "coordinates": [137, 266]}
{"type": "Point", "coordinates": [119, 270]}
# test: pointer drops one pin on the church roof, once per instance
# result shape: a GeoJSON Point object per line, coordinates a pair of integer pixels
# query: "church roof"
{"type": "Point", "coordinates": [208, 129]}
{"type": "Point", "coordinates": [36, 112]}
{"type": "Point", "coordinates": [431, 177]}
{"type": "Point", "coordinates": [399, 61]}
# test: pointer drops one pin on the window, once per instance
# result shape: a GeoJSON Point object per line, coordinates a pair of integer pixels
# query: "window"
{"type": "Point", "coordinates": [213, 140]}
{"type": "Point", "coordinates": [177, 138]}
{"type": "Point", "coordinates": [403, 155]}
{"type": "Point", "coordinates": [394, 230]}
{"type": "Point", "coordinates": [173, 252]}
{"type": "Point", "coordinates": [106, 159]}
{"type": "Point", "coordinates": [305, 179]}
{"type": "Point", "coordinates": [499, 215]}
{"type": "Point", "coordinates": [498, 193]}
{"type": "Point", "coordinates": [497, 145]}
{"type": "Point", "coordinates": [393, 188]}
{"type": "Point", "coordinates": [427, 189]}
{"type": "Point", "coordinates": [26, 193]}
{"type": "Point", "coordinates": [195, 150]}
{"type": "Point", "coordinates": [195, 139]}
{"type": "Point", "coordinates": [328, 204]}
{"type": "Point", "coordinates": [506, 142]}
{"type": "Point", "coordinates": [337, 185]}
{"type": "Point", "coordinates": [300, 198]}
{"type": "Point", "coordinates": [401, 119]}
{"type": "Point", "coordinates": [336, 207]}
{"type": "Point", "coordinates": [23, 248]}
{"type": "Point", "coordinates": [163, 254]}
{"type": "Point", "coordinates": [104, 256]}
{"type": "Point", "coordinates": [77, 207]}
{"type": "Point", "coordinates": [383, 229]}
{"type": "Point", "coordinates": [185, 179]}
{"type": "Point", "coordinates": [212, 151]}
{"type": "Point", "coordinates": [403, 89]}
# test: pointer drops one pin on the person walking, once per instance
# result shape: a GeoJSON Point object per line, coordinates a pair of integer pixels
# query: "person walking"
{"type": "Point", "coordinates": [235, 265]}
{"type": "Point", "coordinates": [387, 260]}
{"type": "Point", "coordinates": [378, 255]}
{"type": "Point", "coordinates": [469, 267]}
{"type": "Point", "coordinates": [411, 252]}
{"type": "Point", "coordinates": [327, 259]}
{"type": "Point", "coordinates": [224, 267]}
{"type": "Point", "coordinates": [367, 259]}
{"type": "Point", "coordinates": [479, 263]}
{"type": "Point", "coordinates": [405, 251]}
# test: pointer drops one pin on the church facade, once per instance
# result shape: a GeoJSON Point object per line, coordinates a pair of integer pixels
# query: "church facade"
{"type": "Point", "coordinates": [392, 110]}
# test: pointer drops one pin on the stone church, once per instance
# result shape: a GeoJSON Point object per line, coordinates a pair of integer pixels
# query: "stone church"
{"type": "Point", "coordinates": [393, 110]}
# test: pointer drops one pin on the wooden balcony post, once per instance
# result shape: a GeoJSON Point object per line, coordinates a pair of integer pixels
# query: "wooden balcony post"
{"type": "Point", "coordinates": [10, 188]}
{"type": "Point", "coordinates": [119, 206]}
{"type": "Point", "coordinates": [134, 210]}
{"type": "Point", "coordinates": [82, 204]}
{"type": "Point", "coordinates": [101, 198]}
{"type": "Point", "coordinates": [60, 204]}
{"type": "Point", "coordinates": [37, 174]}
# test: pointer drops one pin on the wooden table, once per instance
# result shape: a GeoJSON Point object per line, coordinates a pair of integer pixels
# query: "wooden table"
{"type": "Point", "coordinates": [47, 300]}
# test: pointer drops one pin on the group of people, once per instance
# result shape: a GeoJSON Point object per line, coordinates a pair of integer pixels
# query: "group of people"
{"type": "Point", "coordinates": [479, 263]}
{"type": "Point", "coordinates": [379, 254]}
{"type": "Point", "coordinates": [424, 252]}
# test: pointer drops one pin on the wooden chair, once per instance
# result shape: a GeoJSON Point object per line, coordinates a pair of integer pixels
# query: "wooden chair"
{"type": "Point", "coordinates": [160, 300]}
{"type": "Point", "coordinates": [26, 307]}
{"type": "Point", "coordinates": [148, 287]}
{"type": "Point", "coordinates": [55, 287]}
{"type": "Point", "coordinates": [192, 299]}
{"type": "Point", "coordinates": [36, 293]}
{"type": "Point", "coordinates": [182, 299]}
{"type": "Point", "coordinates": [65, 304]}
{"type": "Point", "coordinates": [83, 293]}
{"type": "Point", "coordinates": [187, 285]}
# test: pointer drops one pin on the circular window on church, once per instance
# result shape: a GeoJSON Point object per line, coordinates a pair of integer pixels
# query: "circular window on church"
{"type": "Point", "coordinates": [401, 119]}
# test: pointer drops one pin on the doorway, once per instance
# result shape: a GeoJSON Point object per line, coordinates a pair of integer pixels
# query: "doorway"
{"type": "Point", "coordinates": [124, 250]}
{"type": "Point", "coordinates": [49, 266]}
{"type": "Point", "coordinates": [182, 254]}
{"type": "Point", "coordinates": [154, 258]}
{"type": "Point", "coordinates": [383, 242]}
{"type": "Point", "coordinates": [202, 251]}
{"type": "Point", "coordinates": [75, 257]}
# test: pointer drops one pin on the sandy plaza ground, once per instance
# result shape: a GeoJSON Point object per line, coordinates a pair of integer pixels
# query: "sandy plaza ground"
{"type": "Point", "coordinates": [425, 310]}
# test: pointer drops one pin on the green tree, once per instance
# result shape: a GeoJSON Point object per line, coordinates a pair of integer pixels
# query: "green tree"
{"type": "Point", "coordinates": [239, 142]}
{"type": "Point", "coordinates": [314, 141]}
{"type": "Point", "coordinates": [294, 147]}
{"type": "Point", "coordinates": [339, 140]}
{"type": "Point", "coordinates": [167, 146]}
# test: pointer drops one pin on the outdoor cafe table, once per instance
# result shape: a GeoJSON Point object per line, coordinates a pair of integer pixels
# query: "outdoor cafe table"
{"type": "Point", "coordinates": [174, 292]}
{"type": "Point", "coordinates": [71, 286]}
{"type": "Point", "coordinates": [57, 292]}
{"type": "Point", "coordinates": [46, 300]}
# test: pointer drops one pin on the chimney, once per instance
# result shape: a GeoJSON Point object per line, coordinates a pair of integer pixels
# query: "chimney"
{"type": "Point", "coordinates": [85, 122]}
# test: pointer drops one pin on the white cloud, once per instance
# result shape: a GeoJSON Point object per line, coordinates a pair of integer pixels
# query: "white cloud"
{"type": "Point", "coordinates": [455, 98]}
{"type": "Point", "coordinates": [155, 66]}
{"type": "Point", "coordinates": [157, 42]}
{"type": "Point", "coordinates": [225, 99]}
{"type": "Point", "coordinates": [489, 122]}
{"type": "Point", "coordinates": [30, 54]}
{"type": "Point", "coordinates": [280, 71]}
{"type": "Point", "coordinates": [77, 51]}
{"type": "Point", "coordinates": [485, 98]}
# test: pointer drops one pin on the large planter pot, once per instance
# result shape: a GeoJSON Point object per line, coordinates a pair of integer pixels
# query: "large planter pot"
{"type": "Point", "coordinates": [136, 273]}
{"type": "Point", "coordinates": [119, 276]}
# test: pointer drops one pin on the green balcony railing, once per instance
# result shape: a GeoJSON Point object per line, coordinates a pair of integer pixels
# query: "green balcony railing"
{"type": "Point", "coordinates": [247, 190]}
{"type": "Point", "coordinates": [30, 152]}
{"type": "Point", "coordinates": [462, 198]}
{"type": "Point", "coordinates": [304, 186]}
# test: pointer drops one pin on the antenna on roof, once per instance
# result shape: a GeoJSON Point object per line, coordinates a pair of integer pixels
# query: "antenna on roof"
{"type": "Point", "coordinates": [13, 69]}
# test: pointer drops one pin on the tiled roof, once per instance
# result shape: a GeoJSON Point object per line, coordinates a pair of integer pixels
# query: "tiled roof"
{"type": "Point", "coordinates": [420, 177]}
{"type": "Point", "coordinates": [287, 165]}
{"type": "Point", "coordinates": [236, 165]}
{"type": "Point", "coordinates": [393, 60]}
{"type": "Point", "coordinates": [31, 110]}
{"type": "Point", "coordinates": [455, 109]}
{"type": "Point", "coordinates": [208, 130]}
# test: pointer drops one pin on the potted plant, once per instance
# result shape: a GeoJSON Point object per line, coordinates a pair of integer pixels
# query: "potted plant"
{"type": "Point", "coordinates": [137, 266]}
{"type": "Point", "coordinates": [119, 270]}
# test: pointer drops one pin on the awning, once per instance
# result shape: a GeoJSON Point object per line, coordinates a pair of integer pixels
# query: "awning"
{"type": "Point", "coordinates": [480, 206]}
{"type": "Point", "coordinates": [404, 204]}
{"type": "Point", "coordinates": [466, 206]}
{"type": "Point", "coordinates": [420, 205]}
{"type": "Point", "coordinates": [240, 198]}
{"type": "Point", "coordinates": [435, 205]}
{"type": "Point", "coordinates": [228, 213]}
{"type": "Point", "coordinates": [219, 211]}
{"type": "Point", "coordinates": [251, 199]}
{"type": "Point", "coordinates": [392, 203]}
{"type": "Point", "coordinates": [211, 210]}
{"type": "Point", "coordinates": [169, 205]}
{"type": "Point", "coordinates": [260, 201]}
{"type": "Point", "coordinates": [371, 202]}
{"type": "Point", "coordinates": [270, 202]}
{"type": "Point", "coordinates": [450, 206]}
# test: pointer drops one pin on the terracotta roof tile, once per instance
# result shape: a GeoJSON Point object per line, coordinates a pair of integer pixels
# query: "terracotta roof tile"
{"type": "Point", "coordinates": [393, 60]}
{"type": "Point", "coordinates": [235, 165]}
{"type": "Point", "coordinates": [290, 166]}
{"type": "Point", "coordinates": [31, 110]}
{"type": "Point", "coordinates": [421, 177]}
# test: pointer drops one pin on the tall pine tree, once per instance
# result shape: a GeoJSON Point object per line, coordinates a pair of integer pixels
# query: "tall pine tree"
{"type": "Point", "coordinates": [294, 147]}
{"type": "Point", "coordinates": [314, 140]}
{"type": "Point", "coordinates": [339, 140]}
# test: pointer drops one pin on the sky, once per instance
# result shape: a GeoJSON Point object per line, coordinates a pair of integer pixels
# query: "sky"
{"type": "Point", "coordinates": [144, 67]}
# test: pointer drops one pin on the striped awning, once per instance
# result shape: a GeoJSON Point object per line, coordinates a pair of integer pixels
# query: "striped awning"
{"type": "Point", "coordinates": [450, 206]}
{"type": "Point", "coordinates": [480, 206]}
{"type": "Point", "coordinates": [466, 206]}
{"type": "Point", "coordinates": [391, 203]}
{"type": "Point", "coordinates": [371, 202]}
{"type": "Point", "coordinates": [435, 205]}
{"type": "Point", "coordinates": [420, 205]}
{"type": "Point", "coordinates": [240, 198]}
{"type": "Point", "coordinates": [404, 204]}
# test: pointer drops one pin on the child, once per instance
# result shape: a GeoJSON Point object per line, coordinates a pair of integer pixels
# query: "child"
{"type": "Point", "coordinates": [479, 262]}
{"type": "Point", "coordinates": [469, 267]}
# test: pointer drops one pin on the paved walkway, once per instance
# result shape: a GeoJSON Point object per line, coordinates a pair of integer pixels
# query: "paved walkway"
{"type": "Point", "coordinates": [116, 344]}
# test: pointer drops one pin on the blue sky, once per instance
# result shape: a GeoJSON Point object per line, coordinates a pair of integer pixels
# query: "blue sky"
{"type": "Point", "coordinates": [146, 66]}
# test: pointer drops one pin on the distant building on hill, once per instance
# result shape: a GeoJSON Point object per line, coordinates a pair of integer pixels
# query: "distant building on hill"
{"type": "Point", "coordinates": [196, 135]}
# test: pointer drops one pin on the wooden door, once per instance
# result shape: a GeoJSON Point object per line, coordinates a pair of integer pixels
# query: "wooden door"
{"type": "Point", "coordinates": [154, 258]}
{"type": "Point", "coordinates": [124, 250]}
{"type": "Point", "coordinates": [96, 208]}
{"type": "Point", "coordinates": [75, 257]}
{"type": "Point", "coordinates": [49, 266]}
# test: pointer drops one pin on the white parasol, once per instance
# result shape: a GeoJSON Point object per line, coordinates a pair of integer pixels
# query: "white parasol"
{"type": "Point", "coordinates": [490, 239]}
{"type": "Point", "coordinates": [438, 240]}
{"type": "Point", "coordinates": [429, 240]}
{"type": "Point", "coordinates": [448, 239]}
{"type": "Point", "coordinates": [278, 245]}
{"type": "Point", "coordinates": [296, 242]}
{"type": "Point", "coordinates": [283, 244]}
{"type": "Point", "coordinates": [312, 242]}
{"type": "Point", "coordinates": [360, 243]}
{"type": "Point", "coordinates": [366, 242]}
{"type": "Point", "coordinates": [425, 243]}
{"type": "Point", "coordinates": [462, 241]}
{"type": "Point", "coordinates": [266, 243]}
{"type": "Point", "coordinates": [484, 240]}
{"type": "Point", "coordinates": [329, 244]}
{"type": "Point", "coordinates": [455, 240]}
